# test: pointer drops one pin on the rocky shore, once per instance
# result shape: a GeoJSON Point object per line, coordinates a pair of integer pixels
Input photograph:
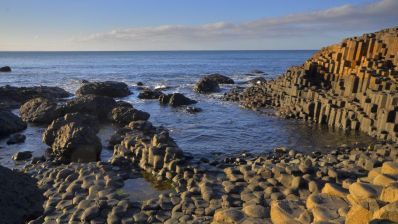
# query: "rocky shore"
{"type": "Point", "coordinates": [349, 85]}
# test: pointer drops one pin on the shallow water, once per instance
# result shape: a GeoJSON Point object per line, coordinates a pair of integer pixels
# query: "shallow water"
{"type": "Point", "coordinates": [221, 127]}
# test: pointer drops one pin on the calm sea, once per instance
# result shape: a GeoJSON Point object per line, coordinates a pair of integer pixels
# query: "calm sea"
{"type": "Point", "coordinates": [221, 127]}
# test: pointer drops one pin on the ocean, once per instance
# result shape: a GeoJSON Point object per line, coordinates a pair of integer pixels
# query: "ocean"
{"type": "Point", "coordinates": [221, 126]}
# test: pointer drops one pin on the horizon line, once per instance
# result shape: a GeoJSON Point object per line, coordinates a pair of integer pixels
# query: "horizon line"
{"type": "Point", "coordinates": [8, 51]}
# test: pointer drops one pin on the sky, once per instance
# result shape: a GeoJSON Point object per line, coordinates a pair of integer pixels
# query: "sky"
{"type": "Point", "coordinates": [95, 25]}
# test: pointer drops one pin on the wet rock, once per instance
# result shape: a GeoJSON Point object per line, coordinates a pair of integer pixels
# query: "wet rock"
{"type": "Point", "coordinates": [73, 138]}
{"type": "Point", "coordinates": [258, 81]}
{"type": "Point", "coordinates": [22, 156]}
{"type": "Point", "coordinates": [125, 115]}
{"type": "Point", "coordinates": [193, 110]}
{"type": "Point", "coordinates": [206, 86]}
{"type": "Point", "coordinates": [5, 69]}
{"type": "Point", "coordinates": [99, 106]}
{"type": "Point", "coordinates": [149, 94]}
{"type": "Point", "coordinates": [140, 83]}
{"type": "Point", "coordinates": [16, 138]}
{"type": "Point", "coordinates": [175, 100]}
{"type": "Point", "coordinates": [218, 78]}
{"type": "Point", "coordinates": [39, 110]}
{"type": "Point", "coordinates": [10, 123]}
{"type": "Point", "coordinates": [21, 200]}
{"type": "Point", "coordinates": [107, 88]}
{"type": "Point", "coordinates": [12, 97]}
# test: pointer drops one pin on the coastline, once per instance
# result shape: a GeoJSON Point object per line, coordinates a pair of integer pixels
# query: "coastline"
{"type": "Point", "coordinates": [348, 184]}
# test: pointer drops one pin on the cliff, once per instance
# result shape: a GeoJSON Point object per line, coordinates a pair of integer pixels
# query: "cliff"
{"type": "Point", "coordinates": [351, 85]}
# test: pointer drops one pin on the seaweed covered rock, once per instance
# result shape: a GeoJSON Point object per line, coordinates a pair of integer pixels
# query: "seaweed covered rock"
{"type": "Point", "coordinates": [108, 88]}
{"type": "Point", "coordinates": [21, 200]}
{"type": "Point", "coordinates": [73, 138]}
{"type": "Point", "coordinates": [39, 110]}
{"type": "Point", "coordinates": [10, 123]}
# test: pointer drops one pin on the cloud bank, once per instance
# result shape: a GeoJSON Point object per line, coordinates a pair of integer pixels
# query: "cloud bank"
{"type": "Point", "coordinates": [261, 33]}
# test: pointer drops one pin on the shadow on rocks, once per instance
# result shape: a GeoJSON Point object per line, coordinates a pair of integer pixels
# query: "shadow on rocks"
{"type": "Point", "coordinates": [21, 200]}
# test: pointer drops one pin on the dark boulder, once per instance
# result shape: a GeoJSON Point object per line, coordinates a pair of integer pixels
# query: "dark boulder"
{"type": "Point", "coordinates": [73, 138]}
{"type": "Point", "coordinates": [22, 156]}
{"type": "Point", "coordinates": [149, 94]}
{"type": "Point", "coordinates": [99, 106]}
{"type": "Point", "coordinates": [10, 123]}
{"type": "Point", "coordinates": [122, 103]}
{"type": "Point", "coordinates": [205, 85]}
{"type": "Point", "coordinates": [175, 100]}
{"type": "Point", "coordinates": [125, 115]}
{"type": "Point", "coordinates": [11, 97]}
{"type": "Point", "coordinates": [140, 83]}
{"type": "Point", "coordinates": [108, 88]}
{"type": "Point", "coordinates": [220, 79]}
{"type": "Point", "coordinates": [5, 69]}
{"type": "Point", "coordinates": [21, 200]}
{"type": "Point", "coordinates": [39, 110]}
{"type": "Point", "coordinates": [16, 138]}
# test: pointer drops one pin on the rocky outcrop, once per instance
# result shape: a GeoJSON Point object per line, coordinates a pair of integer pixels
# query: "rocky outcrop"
{"type": "Point", "coordinates": [218, 78]}
{"type": "Point", "coordinates": [5, 69]}
{"type": "Point", "coordinates": [21, 200]}
{"type": "Point", "coordinates": [108, 88]}
{"type": "Point", "coordinates": [150, 94]}
{"type": "Point", "coordinates": [99, 106]}
{"type": "Point", "coordinates": [39, 110]}
{"type": "Point", "coordinates": [351, 85]}
{"type": "Point", "coordinates": [72, 138]}
{"type": "Point", "coordinates": [124, 115]}
{"type": "Point", "coordinates": [22, 156]}
{"type": "Point", "coordinates": [12, 97]}
{"type": "Point", "coordinates": [10, 123]}
{"type": "Point", "coordinates": [175, 100]}
{"type": "Point", "coordinates": [206, 86]}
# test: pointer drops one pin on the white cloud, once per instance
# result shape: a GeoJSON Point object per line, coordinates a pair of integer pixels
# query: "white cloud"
{"type": "Point", "coordinates": [307, 26]}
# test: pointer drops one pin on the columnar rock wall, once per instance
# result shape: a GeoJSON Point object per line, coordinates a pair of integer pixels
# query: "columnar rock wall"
{"type": "Point", "coordinates": [352, 85]}
{"type": "Point", "coordinates": [151, 149]}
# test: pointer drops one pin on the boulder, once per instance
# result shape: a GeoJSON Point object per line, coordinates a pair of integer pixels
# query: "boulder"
{"type": "Point", "coordinates": [107, 88]}
{"type": "Point", "coordinates": [50, 133]}
{"type": "Point", "coordinates": [73, 138]}
{"type": "Point", "coordinates": [220, 79]}
{"type": "Point", "coordinates": [125, 115]}
{"type": "Point", "coordinates": [12, 97]}
{"type": "Point", "coordinates": [229, 215]}
{"type": "Point", "coordinates": [206, 86]}
{"type": "Point", "coordinates": [390, 193]}
{"type": "Point", "coordinates": [387, 213]}
{"type": "Point", "coordinates": [10, 123]}
{"type": "Point", "coordinates": [175, 100]}
{"type": "Point", "coordinates": [16, 138]}
{"type": "Point", "coordinates": [390, 168]}
{"type": "Point", "coordinates": [99, 106]}
{"type": "Point", "coordinates": [285, 211]}
{"type": "Point", "coordinates": [149, 94]}
{"type": "Point", "coordinates": [21, 200]}
{"type": "Point", "coordinates": [39, 110]}
{"type": "Point", "coordinates": [193, 110]}
{"type": "Point", "coordinates": [5, 69]}
{"type": "Point", "coordinates": [258, 80]}
{"type": "Point", "coordinates": [76, 143]}
{"type": "Point", "coordinates": [362, 191]}
{"type": "Point", "coordinates": [22, 156]}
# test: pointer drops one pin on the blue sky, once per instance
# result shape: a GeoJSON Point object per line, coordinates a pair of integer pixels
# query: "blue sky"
{"type": "Point", "coordinates": [187, 24]}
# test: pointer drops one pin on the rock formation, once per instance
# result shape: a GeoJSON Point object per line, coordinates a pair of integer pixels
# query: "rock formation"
{"type": "Point", "coordinates": [108, 88]}
{"type": "Point", "coordinates": [351, 85]}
